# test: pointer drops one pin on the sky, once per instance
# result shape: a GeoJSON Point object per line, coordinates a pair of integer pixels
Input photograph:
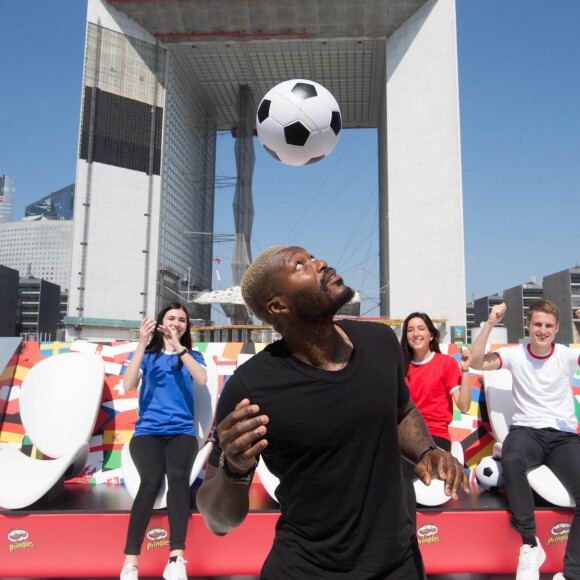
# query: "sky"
{"type": "Point", "coordinates": [519, 91]}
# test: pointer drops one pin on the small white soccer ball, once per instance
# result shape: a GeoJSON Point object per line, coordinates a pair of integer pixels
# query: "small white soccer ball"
{"type": "Point", "coordinates": [489, 473]}
{"type": "Point", "coordinates": [298, 122]}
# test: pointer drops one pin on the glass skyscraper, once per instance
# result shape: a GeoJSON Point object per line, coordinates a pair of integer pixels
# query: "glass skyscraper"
{"type": "Point", "coordinates": [7, 190]}
{"type": "Point", "coordinates": [58, 204]}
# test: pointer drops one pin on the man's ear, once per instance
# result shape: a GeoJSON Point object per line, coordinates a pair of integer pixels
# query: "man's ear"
{"type": "Point", "coordinates": [276, 306]}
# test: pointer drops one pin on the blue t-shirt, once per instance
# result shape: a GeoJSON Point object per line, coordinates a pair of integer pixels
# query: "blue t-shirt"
{"type": "Point", "coordinates": [166, 396]}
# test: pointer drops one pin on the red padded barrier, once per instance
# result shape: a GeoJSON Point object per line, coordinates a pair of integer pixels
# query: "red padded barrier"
{"type": "Point", "coordinates": [451, 542]}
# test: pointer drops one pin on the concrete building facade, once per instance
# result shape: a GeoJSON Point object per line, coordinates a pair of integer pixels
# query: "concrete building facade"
{"type": "Point", "coordinates": [482, 307]}
{"type": "Point", "coordinates": [38, 309]}
{"type": "Point", "coordinates": [518, 299]}
{"type": "Point", "coordinates": [38, 247]}
{"type": "Point", "coordinates": [8, 300]}
{"type": "Point", "coordinates": [161, 78]}
{"type": "Point", "coordinates": [563, 288]}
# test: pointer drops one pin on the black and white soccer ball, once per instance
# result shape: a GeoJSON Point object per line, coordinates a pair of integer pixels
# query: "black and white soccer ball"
{"type": "Point", "coordinates": [489, 473]}
{"type": "Point", "coordinates": [298, 122]}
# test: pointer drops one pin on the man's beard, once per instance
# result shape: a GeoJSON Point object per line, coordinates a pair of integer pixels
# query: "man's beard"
{"type": "Point", "coordinates": [313, 304]}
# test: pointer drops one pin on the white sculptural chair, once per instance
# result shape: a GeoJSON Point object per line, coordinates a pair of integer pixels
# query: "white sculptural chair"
{"type": "Point", "coordinates": [205, 403]}
{"type": "Point", "coordinates": [59, 402]}
{"type": "Point", "coordinates": [268, 479]}
{"type": "Point", "coordinates": [434, 493]}
{"type": "Point", "coordinates": [427, 495]}
{"type": "Point", "coordinates": [500, 408]}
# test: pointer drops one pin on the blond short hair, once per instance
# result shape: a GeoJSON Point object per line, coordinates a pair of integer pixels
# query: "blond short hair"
{"type": "Point", "coordinates": [254, 285]}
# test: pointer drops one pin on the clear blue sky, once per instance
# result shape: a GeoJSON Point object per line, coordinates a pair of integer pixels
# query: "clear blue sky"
{"type": "Point", "coordinates": [519, 82]}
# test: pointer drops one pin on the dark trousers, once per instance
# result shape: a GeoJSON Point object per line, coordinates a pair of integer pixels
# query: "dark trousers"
{"type": "Point", "coordinates": [526, 447]}
{"type": "Point", "coordinates": [155, 457]}
{"type": "Point", "coordinates": [409, 476]}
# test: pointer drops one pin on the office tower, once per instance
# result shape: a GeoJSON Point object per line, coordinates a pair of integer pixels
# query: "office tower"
{"type": "Point", "coordinates": [161, 78]}
{"type": "Point", "coordinates": [7, 192]}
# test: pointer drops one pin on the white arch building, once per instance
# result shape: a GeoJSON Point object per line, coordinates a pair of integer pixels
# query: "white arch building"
{"type": "Point", "coordinates": [160, 78]}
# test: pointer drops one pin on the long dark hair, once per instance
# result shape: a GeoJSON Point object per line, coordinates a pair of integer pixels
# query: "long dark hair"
{"type": "Point", "coordinates": [157, 345]}
{"type": "Point", "coordinates": [406, 348]}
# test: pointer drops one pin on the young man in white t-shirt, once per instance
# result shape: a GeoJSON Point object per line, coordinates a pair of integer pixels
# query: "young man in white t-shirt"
{"type": "Point", "coordinates": [544, 426]}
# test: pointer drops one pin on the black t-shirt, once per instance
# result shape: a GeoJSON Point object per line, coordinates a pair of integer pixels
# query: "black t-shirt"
{"type": "Point", "coordinates": [333, 442]}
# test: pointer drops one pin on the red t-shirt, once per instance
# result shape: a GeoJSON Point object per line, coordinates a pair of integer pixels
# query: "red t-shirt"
{"type": "Point", "coordinates": [431, 383]}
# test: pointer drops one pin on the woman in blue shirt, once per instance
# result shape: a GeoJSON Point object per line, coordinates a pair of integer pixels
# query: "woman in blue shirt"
{"type": "Point", "coordinates": [164, 442]}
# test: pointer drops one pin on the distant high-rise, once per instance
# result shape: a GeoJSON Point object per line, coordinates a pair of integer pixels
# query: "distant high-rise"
{"type": "Point", "coordinates": [58, 204]}
{"type": "Point", "coordinates": [518, 299]}
{"type": "Point", "coordinates": [563, 288]}
{"type": "Point", "coordinates": [39, 247]}
{"type": "Point", "coordinates": [8, 301]}
{"type": "Point", "coordinates": [7, 191]}
{"type": "Point", "coordinates": [38, 311]}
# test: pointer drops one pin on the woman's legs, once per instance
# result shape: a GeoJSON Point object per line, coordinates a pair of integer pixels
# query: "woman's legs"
{"type": "Point", "coordinates": [147, 452]}
{"type": "Point", "coordinates": [180, 452]}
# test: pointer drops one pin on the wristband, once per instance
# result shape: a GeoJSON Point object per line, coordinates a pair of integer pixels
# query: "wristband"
{"type": "Point", "coordinates": [180, 354]}
{"type": "Point", "coordinates": [244, 478]}
{"type": "Point", "coordinates": [428, 450]}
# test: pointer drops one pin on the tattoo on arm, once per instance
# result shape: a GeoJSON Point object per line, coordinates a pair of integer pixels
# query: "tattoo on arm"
{"type": "Point", "coordinates": [414, 436]}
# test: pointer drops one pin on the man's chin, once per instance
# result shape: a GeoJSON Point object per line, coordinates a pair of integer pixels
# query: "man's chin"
{"type": "Point", "coordinates": [346, 295]}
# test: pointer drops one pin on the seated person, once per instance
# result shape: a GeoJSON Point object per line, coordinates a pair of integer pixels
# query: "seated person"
{"type": "Point", "coordinates": [544, 426]}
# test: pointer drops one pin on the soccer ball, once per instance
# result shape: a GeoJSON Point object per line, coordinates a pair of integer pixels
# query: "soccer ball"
{"type": "Point", "coordinates": [298, 122]}
{"type": "Point", "coordinates": [489, 473]}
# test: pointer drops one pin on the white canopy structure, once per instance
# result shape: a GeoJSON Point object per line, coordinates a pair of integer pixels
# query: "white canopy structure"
{"type": "Point", "coordinates": [229, 296]}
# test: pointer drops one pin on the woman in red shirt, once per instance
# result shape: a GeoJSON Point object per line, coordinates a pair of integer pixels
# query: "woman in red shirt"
{"type": "Point", "coordinates": [435, 380]}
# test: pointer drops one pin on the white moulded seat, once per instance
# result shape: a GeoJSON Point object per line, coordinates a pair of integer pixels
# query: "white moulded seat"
{"type": "Point", "coordinates": [500, 408]}
{"type": "Point", "coordinates": [205, 403]}
{"type": "Point", "coordinates": [428, 495]}
{"type": "Point", "coordinates": [268, 479]}
{"type": "Point", "coordinates": [59, 402]}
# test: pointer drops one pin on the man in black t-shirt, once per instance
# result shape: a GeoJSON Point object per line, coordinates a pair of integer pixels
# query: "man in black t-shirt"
{"type": "Point", "coordinates": [328, 409]}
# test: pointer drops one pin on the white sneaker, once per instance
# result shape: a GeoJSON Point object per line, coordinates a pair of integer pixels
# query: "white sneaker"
{"type": "Point", "coordinates": [129, 572]}
{"type": "Point", "coordinates": [175, 570]}
{"type": "Point", "coordinates": [559, 576]}
{"type": "Point", "coordinates": [530, 561]}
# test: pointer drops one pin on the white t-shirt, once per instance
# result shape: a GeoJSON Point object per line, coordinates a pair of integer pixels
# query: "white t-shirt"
{"type": "Point", "coordinates": [542, 386]}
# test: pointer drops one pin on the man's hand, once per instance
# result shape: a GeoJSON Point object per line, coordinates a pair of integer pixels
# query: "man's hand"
{"type": "Point", "coordinates": [439, 464]}
{"type": "Point", "coordinates": [497, 313]}
{"type": "Point", "coordinates": [241, 436]}
{"type": "Point", "coordinates": [224, 505]}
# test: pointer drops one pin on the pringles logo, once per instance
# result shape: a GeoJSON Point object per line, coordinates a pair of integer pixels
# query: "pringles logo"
{"type": "Point", "coordinates": [19, 540]}
{"type": "Point", "coordinates": [157, 538]}
{"type": "Point", "coordinates": [559, 533]}
{"type": "Point", "coordinates": [427, 534]}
